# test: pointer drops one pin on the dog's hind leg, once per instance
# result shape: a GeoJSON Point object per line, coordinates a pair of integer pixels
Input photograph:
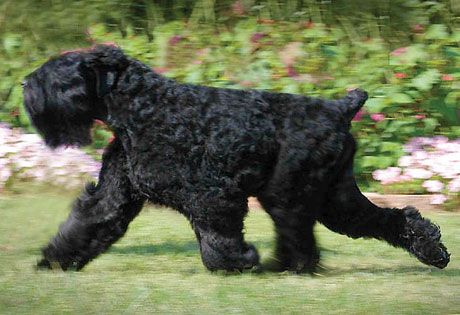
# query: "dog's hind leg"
{"type": "Point", "coordinates": [100, 216]}
{"type": "Point", "coordinates": [348, 211]}
{"type": "Point", "coordinates": [295, 243]}
{"type": "Point", "coordinates": [218, 225]}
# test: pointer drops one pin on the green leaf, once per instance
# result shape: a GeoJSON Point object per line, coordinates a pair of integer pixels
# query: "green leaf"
{"type": "Point", "coordinates": [401, 98]}
{"type": "Point", "coordinates": [391, 147]}
{"type": "Point", "coordinates": [425, 80]}
{"type": "Point", "coordinates": [437, 31]}
{"type": "Point", "coordinates": [430, 124]}
{"type": "Point", "coordinates": [375, 105]}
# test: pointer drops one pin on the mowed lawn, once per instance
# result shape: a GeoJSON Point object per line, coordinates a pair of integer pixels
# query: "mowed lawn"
{"type": "Point", "coordinates": [156, 268]}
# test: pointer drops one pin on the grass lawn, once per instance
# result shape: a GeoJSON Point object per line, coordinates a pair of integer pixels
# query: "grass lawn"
{"type": "Point", "coordinates": [156, 268]}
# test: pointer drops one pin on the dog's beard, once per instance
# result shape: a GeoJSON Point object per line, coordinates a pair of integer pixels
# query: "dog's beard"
{"type": "Point", "coordinates": [65, 133]}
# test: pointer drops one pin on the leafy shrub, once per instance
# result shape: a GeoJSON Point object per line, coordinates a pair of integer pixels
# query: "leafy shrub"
{"type": "Point", "coordinates": [414, 87]}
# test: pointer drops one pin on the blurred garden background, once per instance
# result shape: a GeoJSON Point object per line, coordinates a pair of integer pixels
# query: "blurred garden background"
{"type": "Point", "coordinates": [405, 53]}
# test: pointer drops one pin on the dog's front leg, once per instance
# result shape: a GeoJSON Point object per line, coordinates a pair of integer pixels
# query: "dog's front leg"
{"type": "Point", "coordinates": [218, 225]}
{"type": "Point", "coordinates": [100, 216]}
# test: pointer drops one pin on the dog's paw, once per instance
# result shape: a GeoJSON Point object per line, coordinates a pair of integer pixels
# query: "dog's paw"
{"type": "Point", "coordinates": [422, 238]}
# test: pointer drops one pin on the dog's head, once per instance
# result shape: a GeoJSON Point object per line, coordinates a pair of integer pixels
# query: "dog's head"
{"type": "Point", "coordinates": [66, 94]}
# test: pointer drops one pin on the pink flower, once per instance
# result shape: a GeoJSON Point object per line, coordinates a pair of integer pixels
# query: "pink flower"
{"type": "Point", "coordinates": [399, 51]}
{"type": "Point", "coordinates": [433, 185]}
{"type": "Point", "coordinates": [160, 70]}
{"type": "Point", "coordinates": [256, 37]}
{"type": "Point", "coordinates": [420, 116]}
{"type": "Point", "coordinates": [387, 176]}
{"type": "Point", "coordinates": [420, 155]}
{"type": "Point", "coordinates": [110, 43]}
{"type": "Point", "coordinates": [5, 173]}
{"type": "Point", "coordinates": [238, 8]}
{"type": "Point", "coordinates": [358, 116]}
{"type": "Point", "coordinates": [454, 185]}
{"type": "Point", "coordinates": [291, 71]}
{"type": "Point", "coordinates": [438, 199]}
{"type": "Point", "coordinates": [418, 173]}
{"type": "Point", "coordinates": [175, 39]}
{"type": "Point", "coordinates": [377, 117]}
{"type": "Point", "coordinates": [400, 75]}
{"type": "Point", "coordinates": [418, 28]}
{"type": "Point", "coordinates": [405, 161]}
{"type": "Point", "coordinates": [447, 77]}
{"type": "Point", "coordinates": [65, 52]}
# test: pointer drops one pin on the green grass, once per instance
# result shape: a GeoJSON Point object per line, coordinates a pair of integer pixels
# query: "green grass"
{"type": "Point", "coordinates": [156, 268]}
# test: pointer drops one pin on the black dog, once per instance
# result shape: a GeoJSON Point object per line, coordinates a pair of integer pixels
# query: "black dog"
{"type": "Point", "coordinates": [203, 151]}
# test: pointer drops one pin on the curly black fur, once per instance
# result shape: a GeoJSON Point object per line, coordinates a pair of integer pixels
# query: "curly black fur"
{"type": "Point", "coordinates": [203, 151]}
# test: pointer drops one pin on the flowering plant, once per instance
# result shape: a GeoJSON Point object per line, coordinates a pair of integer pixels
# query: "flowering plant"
{"type": "Point", "coordinates": [25, 157]}
{"type": "Point", "coordinates": [433, 163]}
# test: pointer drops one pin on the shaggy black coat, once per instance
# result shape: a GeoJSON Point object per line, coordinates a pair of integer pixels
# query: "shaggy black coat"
{"type": "Point", "coordinates": [203, 151]}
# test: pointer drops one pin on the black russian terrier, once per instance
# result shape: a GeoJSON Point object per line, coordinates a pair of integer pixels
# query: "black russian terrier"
{"type": "Point", "coordinates": [203, 151]}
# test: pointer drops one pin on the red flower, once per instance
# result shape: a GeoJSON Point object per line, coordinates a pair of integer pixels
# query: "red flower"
{"type": "Point", "coordinates": [309, 24]}
{"type": "Point", "coordinates": [400, 75]}
{"type": "Point", "coordinates": [447, 77]}
{"type": "Point", "coordinates": [14, 113]}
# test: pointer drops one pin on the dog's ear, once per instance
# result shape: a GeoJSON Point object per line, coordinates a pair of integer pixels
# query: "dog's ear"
{"type": "Point", "coordinates": [105, 80]}
{"type": "Point", "coordinates": [106, 61]}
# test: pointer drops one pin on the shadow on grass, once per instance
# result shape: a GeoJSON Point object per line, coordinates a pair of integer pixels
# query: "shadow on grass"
{"type": "Point", "coordinates": [156, 249]}
{"type": "Point", "coordinates": [269, 266]}
{"type": "Point", "coordinates": [168, 247]}
{"type": "Point", "coordinates": [448, 272]}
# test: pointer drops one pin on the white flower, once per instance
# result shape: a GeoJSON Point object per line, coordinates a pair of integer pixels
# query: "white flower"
{"type": "Point", "coordinates": [420, 155]}
{"type": "Point", "coordinates": [5, 173]}
{"type": "Point", "coordinates": [454, 185]}
{"type": "Point", "coordinates": [433, 185]}
{"type": "Point", "coordinates": [405, 161]}
{"type": "Point", "coordinates": [387, 176]}
{"type": "Point", "coordinates": [418, 173]}
{"type": "Point", "coordinates": [438, 199]}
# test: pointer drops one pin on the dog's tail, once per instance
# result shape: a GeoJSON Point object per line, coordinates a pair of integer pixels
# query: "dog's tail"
{"type": "Point", "coordinates": [352, 103]}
